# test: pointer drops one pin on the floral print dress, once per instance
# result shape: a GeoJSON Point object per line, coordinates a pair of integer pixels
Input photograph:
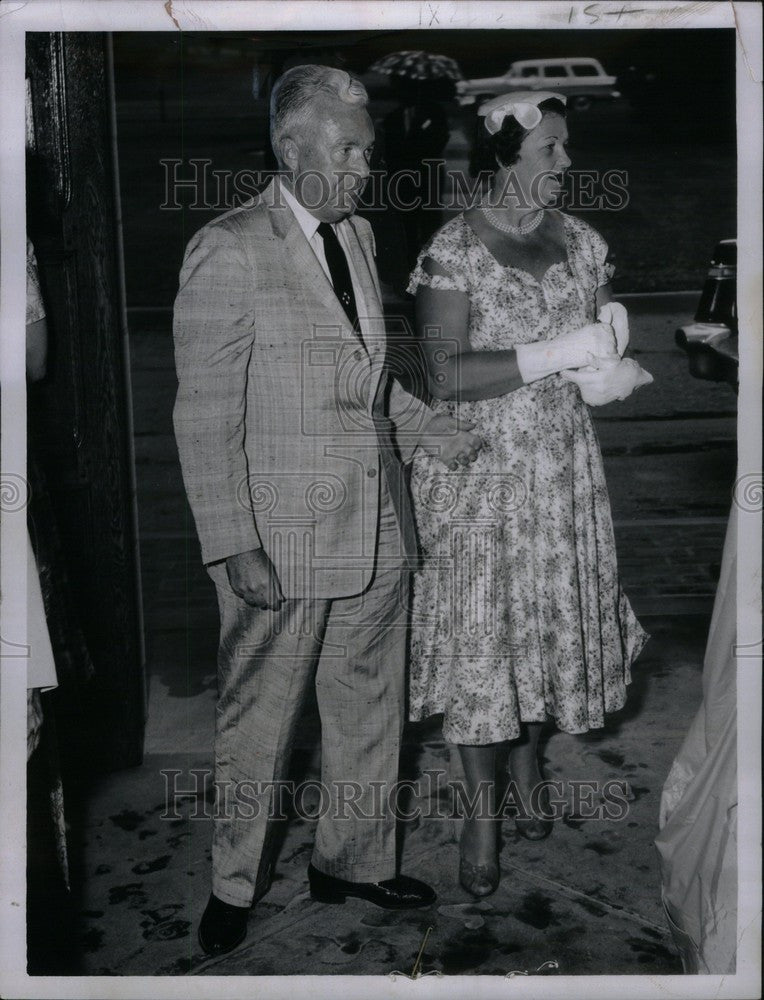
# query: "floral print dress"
{"type": "Point", "coordinates": [518, 613]}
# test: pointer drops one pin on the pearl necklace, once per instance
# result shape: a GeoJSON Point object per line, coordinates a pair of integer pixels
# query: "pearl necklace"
{"type": "Point", "coordinates": [512, 230]}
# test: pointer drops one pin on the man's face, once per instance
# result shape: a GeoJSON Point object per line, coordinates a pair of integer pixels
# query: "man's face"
{"type": "Point", "coordinates": [330, 159]}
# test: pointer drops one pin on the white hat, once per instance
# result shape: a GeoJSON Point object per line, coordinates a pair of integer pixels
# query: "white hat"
{"type": "Point", "coordinates": [521, 104]}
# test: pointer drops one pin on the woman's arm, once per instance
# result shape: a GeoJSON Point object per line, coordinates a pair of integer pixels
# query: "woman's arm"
{"type": "Point", "coordinates": [454, 370]}
{"type": "Point", "coordinates": [604, 294]}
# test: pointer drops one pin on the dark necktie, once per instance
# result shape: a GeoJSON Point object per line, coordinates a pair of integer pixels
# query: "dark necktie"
{"type": "Point", "coordinates": [340, 272]}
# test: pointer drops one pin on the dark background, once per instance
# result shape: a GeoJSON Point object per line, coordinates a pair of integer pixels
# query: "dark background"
{"type": "Point", "coordinates": [703, 58]}
{"type": "Point", "coordinates": [191, 95]}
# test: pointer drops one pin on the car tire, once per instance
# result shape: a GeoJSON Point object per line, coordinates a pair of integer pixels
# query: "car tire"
{"type": "Point", "coordinates": [581, 103]}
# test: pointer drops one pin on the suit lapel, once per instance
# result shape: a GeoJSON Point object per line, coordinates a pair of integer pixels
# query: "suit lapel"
{"type": "Point", "coordinates": [365, 269]}
{"type": "Point", "coordinates": [301, 256]}
{"type": "Point", "coordinates": [366, 273]}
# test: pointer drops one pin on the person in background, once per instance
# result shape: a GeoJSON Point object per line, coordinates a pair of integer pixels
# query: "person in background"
{"type": "Point", "coordinates": [41, 668]}
{"type": "Point", "coordinates": [698, 817]}
{"type": "Point", "coordinates": [51, 947]}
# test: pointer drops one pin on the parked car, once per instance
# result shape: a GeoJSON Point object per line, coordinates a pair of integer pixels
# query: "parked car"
{"type": "Point", "coordinates": [711, 340]}
{"type": "Point", "coordinates": [580, 80]}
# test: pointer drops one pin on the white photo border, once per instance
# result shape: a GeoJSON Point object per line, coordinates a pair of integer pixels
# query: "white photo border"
{"type": "Point", "coordinates": [17, 18]}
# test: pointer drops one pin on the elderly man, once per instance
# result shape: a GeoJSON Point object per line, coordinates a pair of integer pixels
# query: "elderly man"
{"type": "Point", "coordinates": [291, 436]}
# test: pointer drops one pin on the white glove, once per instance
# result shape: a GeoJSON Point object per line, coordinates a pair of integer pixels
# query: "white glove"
{"type": "Point", "coordinates": [616, 380]}
{"type": "Point", "coordinates": [615, 314]}
{"type": "Point", "coordinates": [588, 346]}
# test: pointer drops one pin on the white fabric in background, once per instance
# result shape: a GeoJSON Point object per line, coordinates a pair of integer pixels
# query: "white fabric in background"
{"type": "Point", "coordinates": [697, 843]}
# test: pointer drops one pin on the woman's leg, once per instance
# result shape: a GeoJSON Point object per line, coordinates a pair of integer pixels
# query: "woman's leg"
{"type": "Point", "coordinates": [525, 772]}
{"type": "Point", "coordinates": [524, 761]}
{"type": "Point", "coordinates": [479, 837]}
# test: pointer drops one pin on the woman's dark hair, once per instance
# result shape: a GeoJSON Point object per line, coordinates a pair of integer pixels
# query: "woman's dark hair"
{"type": "Point", "coordinates": [504, 146]}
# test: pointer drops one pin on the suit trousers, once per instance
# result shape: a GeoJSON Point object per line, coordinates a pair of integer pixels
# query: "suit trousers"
{"type": "Point", "coordinates": [354, 648]}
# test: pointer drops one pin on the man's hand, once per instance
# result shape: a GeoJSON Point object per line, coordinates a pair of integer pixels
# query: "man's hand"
{"type": "Point", "coordinates": [253, 578]}
{"type": "Point", "coordinates": [450, 440]}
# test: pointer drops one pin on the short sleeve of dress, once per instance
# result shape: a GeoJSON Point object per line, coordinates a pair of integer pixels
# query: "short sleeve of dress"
{"type": "Point", "coordinates": [35, 308]}
{"type": "Point", "coordinates": [447, 250]}
{"type": "Point", "coordinates": [604, 269]}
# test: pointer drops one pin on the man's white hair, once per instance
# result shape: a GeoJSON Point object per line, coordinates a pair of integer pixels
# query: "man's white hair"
{"type": "Point", "coordinates": [295, 91]}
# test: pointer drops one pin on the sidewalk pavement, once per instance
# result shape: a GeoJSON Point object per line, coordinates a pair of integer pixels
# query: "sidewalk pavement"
{"type": "Point", "coordinates": [585, 901]}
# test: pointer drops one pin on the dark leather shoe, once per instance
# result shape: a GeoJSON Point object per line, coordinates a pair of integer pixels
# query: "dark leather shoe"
{"type": "Point", "coordinates": [223, 926]}
{"type": "Point", "coordinates": [399, 893]}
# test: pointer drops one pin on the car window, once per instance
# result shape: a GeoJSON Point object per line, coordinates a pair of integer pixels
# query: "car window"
{"type": "Point", "coordinates": [555, 71]}
{"type": "Point", "coordinates": [529, 71]}
{"type": "Point", "coordinates": [584, 69]}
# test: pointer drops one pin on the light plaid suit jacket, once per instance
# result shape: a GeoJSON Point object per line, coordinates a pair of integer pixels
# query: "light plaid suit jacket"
{"type": "Point", "coordinates": [285, 419]}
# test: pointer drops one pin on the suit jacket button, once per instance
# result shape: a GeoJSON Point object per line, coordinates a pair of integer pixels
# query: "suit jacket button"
{"type": "Point", "coordinates": [371, 473]}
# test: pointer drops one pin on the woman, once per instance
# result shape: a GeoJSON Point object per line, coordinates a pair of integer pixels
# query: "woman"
{"type": "Point", "coordinates": [518, 613]}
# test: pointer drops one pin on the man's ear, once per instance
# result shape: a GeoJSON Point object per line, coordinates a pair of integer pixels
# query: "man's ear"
{"type": "Point", "coordinates": [290, 154]}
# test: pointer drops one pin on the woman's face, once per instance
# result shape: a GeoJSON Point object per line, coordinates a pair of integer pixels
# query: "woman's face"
{"type": "Point", "coordinates": [543, 160]}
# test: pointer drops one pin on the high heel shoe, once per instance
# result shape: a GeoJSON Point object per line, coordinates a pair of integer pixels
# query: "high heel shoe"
{"type": "Point", "coordinates": [478, 880]}
{"type": "Point", "coordinates": [534, 827]}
